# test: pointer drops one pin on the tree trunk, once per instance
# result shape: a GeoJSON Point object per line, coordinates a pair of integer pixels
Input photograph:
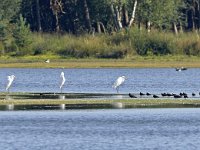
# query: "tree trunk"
{"type": "Point", "coordinates": [98, 27]}
{"type": "Point", "coordinates": [133, 14]}
{"type": "Point", "coordinates": [175, 28]}
{"type": "Point", "coordinates": [181, 28]}
{"type": "Point", "coordinates": [103, 29]}
{"type": "Point", "coordinates": [114, 16]}
{"type": "Point", "coordinates": [57, 8]}
{"type": "Point", "coordinates": [125, 16]}
{"type": "Point", "coordinates": [148, 26]}
{"type": "Point", "coordinates": [39, 28]}
{"type": "Point", "coordinates": [57, 23]}
{"type": "Point", "coordinates": [118, 10]}
{"type": "Point", "coordinates": [87, 15]}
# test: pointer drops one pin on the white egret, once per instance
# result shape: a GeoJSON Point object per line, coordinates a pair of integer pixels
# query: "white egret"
{"type": "Point", "coordinates": [62, 75]}
{"type": "Point", "coordinates": [118, 82]}
{"type": "Point", "coordinates": [47, 61]}
{"type": "Point", "coordinates": [10, 81]}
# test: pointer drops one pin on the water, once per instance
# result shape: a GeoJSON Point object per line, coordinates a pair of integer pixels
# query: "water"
{"type": "Point", "coordinates": [101, 129]}
{"type": "Point", "coordinates": [153, 80]}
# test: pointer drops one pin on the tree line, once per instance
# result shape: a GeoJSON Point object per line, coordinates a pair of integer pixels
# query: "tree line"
{"type": "Point", "coordinates": [80, 16]}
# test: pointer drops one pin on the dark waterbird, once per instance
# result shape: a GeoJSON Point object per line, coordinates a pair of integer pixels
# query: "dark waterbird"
{"type": "Point", "coordinates": [182, 94]}
{"type": "Point", "coordinates": [148, 94]}
{"type": "Point", "coordinates": [141, 94]}
{"type": "Point", "coordinates": [155, 96]}
{"type": "Point", "coordinates": [181, 69]}
{"type": "Point", "coordinates": [193, 94]}
{"type": "Point", "coordinates": [168, 94]}
{"type": "Point", "coordinates": [132, 96]}
{"type": "Point", "coordinates": [164, 94]}
{"type": "Point", "coordinates": [177, 96]}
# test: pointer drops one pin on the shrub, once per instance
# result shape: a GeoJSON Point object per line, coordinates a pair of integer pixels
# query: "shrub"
{"type": "Point", "coordinates": [192, 49]}
{"type": "Point", "coordinates": [151, 43]}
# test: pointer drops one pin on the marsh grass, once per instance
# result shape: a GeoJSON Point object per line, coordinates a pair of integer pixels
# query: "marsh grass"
{"type": "Point", "coordinates": [131, 46]}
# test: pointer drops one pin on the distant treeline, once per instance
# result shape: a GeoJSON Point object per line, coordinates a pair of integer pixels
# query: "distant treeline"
{"type": "Point", "coordinates": [80, 16]}
{"type": "Point", "coordinates": [123, 27]}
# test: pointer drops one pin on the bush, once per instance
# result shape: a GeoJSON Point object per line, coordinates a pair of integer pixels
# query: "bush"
{"type": "Point", "coordinates": [192, 49]}
{"type": "Point", "coordinates": [159, 46]}
{"type": "Point", "coordinates": [151, 43]}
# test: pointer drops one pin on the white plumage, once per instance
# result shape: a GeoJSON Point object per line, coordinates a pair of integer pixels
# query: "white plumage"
{"type": "Point", "coordinates": [47, 61]}
{"type": "Point", "coordinates": [62, 75]}
{"type": "Point", "coordinates": [118, 82]}
{"type": "Point", "coordinates": [10, 81]}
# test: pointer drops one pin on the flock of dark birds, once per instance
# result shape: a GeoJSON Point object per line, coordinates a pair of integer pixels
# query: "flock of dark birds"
{"type": "Point", "coordinates": [162, 95]}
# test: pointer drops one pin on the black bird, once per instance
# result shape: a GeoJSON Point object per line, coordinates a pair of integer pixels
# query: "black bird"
{"type": "Point", "coordinates": [148, 94]}
{"type": "Point", "coordinates": [168, 94]}
{"type": "Point", "coordinates": [141, 94]}
{"type": "Point", "coordinates": [178, 69]}
{"type": "Point", "coordinates": [193, 94]}
{"type": "Point", "coordinates": [183, 94]}
{"type": "Point", "coordinates": [132, 96]}
{"type": "Point", "coordinates": [183, 68]}
{"type": "Point", "coordinates": [155, 96]}
{"type": "Point", "coordinates": [163, 94]}
{"type": "Point", "coordinates": [177, 96]}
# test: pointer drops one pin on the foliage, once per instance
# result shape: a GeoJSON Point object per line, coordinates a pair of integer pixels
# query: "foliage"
{"type": "Point", "coordinates": [9, 9]}
{"type": "Point", "coordinates": [21, 35]}
{"type": "Point", "coordinates": [74, 40]}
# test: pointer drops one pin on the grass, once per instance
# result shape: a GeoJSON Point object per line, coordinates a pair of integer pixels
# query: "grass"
{"type": "Point", "coordinates": [131, 62]}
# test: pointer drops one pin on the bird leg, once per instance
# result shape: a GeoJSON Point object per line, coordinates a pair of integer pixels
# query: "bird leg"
{"type": "Point", "coordinates": [117, 89]}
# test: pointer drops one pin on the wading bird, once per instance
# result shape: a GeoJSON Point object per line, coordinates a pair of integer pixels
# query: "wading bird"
{"type": "Point", "coordinates": [47, 61]}
{"type": "Point", "coordinates": [10, 81]}
{"type": "Point", "coordinates": [62, 75]}
{"type": "Point", "coordinates": [118, 82]}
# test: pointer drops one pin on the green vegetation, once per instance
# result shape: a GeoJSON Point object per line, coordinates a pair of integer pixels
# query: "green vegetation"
{"type": "Point", "coordinates": [35, 30]}
{"type": "Point", "coordinates": [124, 44]}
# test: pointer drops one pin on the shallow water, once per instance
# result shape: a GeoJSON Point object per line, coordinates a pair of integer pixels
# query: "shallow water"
{"type": "Point", "coordinates": [101, 129]}
{"type": "Point", "coordinates": [153, 80]}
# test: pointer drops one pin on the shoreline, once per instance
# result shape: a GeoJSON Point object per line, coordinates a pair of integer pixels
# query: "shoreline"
{"type": "Point", "coordinates": [95, 104]}
{"type": "Point", "coordinates": [133, 62]}
{"type": "Point", "coordinates": [92, 100]}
